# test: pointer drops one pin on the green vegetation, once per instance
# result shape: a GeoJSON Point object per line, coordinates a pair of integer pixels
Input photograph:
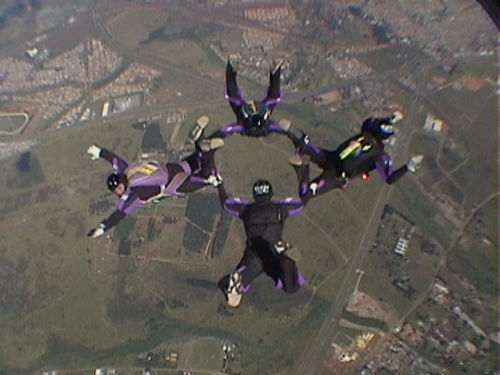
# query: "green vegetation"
{"type": "Point", "coordinates": [477, 260]}
{"type": "Point", "coordinates": [367, 322]}
{"type": "Point", "coordinates": [28, 172]}
{"type": "Point", "coordinates": [202, 210]}
{"type": "Point", "coordinates": [221, 234]}
{"type": "Point", "coordinates": [71, 302]}
{"type": "Point", "coordinates": [152, 139]}
{"type": "Point", "coordinates": [194, 238]}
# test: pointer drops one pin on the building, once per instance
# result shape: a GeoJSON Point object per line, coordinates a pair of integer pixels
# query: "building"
{"type": "Point", "coordinates": [401, 246]}
{"type": "Point", "coordinates": [105, 110]}
{"type": "Point", "coordinates": [433, 123]}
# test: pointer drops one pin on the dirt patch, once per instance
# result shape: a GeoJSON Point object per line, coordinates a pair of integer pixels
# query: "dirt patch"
{"type": "Point", "coordinates": [366, 306]}
{"type": "Point", "coordinates": [471, 82]}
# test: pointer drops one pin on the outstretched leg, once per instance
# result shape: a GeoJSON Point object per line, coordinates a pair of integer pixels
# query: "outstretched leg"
{"type": "Point", "coordinates": [289, 277]}
{"type": "Point", "coordinates": [273, 92]}
{"type": "Point", "coordinates": [326, 181]}
{"type": "Point", "coordinates": [303, 146]}
{"type": "Point", "coordinates": [238, 282]}
{"type": "Point", "coordinates": [203, 172]}
{"type": "Point", "coordinates": [385, 169]}
{"type": "Point", "coordinates": [282, 268]}
{"type": "Point", "coordinates": [303, 176]}
{"type": "Point", "coordinates": [233, 93]}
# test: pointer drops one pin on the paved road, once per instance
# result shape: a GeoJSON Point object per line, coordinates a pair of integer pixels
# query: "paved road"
{"type": "Point", "coordinates": [312, 358]}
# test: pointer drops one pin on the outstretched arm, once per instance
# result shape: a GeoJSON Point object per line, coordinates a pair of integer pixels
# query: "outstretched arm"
{"type": "Point", "coordinates": [385, 170]}
{"type": "Point", "coordinates": [231, 205]}
{"type": "Point", "coordinates": [119, 164]}
{"type": "Point", "coordinates": [125, 207]}
{"type": "Point", "coordinates": [292, 206]}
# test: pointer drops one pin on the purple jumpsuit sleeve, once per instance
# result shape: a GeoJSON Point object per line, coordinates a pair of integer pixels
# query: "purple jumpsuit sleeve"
{"type": "Point", "coordinates": [119, 164]}
{"type": "Point", "coordinates": [125, 207]}
{"type": "Point", "coordinates": [291, 206]}
{"type": "Point", "coordinates": [384, 166]}
{"type": "Point", "coordinates": [113, 219]}
{"type": "Point", "coordinates": [231, 205]}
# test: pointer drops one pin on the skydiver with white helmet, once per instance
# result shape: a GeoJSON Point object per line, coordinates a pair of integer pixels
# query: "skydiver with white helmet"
{"type": "Point", "coordinates": [142, 182]}
{"type": "Point", "coordinates": [265, 251]}
{"type": "Point", "coordinates": [357, 156]}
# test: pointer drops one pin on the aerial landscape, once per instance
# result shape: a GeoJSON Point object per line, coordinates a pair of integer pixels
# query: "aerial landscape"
{"type": "Point", "coordinates": [400, 279]}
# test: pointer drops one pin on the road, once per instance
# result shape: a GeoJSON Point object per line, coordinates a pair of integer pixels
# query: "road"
{"type": "Point", "coordinates": [312, 358]}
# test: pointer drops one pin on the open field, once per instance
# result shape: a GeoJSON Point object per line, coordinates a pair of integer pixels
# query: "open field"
{"type": "Point", "coordinates": [69, 302]}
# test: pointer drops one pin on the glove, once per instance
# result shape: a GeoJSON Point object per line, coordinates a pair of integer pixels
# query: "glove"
{"type": "Point", "coordinates": [414, 162]}
{"type": "Point", "coordinates": [94, 151]}
{"type": "Point", "coordinates": [215, 181]}
{"type": "Point", "coordinates": [97, 232]}
{"type": "Point", "coordinates": [280, 246]}
{"type": "Point", "coordinates": [314, 188]}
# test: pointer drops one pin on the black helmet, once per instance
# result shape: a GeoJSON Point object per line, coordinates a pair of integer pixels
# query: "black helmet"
{"type": "Point", "coordinates": [262, 189]}
{"type": "Point", "coordinates": [255, 113]}
{"type": "Point", "coordinates": [380, 128]}
{"type": "Point", "coordinates": [115, 179]}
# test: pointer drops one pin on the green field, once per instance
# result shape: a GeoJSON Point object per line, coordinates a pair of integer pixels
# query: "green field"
{"type": "Point", "coordinates": [70, 302]}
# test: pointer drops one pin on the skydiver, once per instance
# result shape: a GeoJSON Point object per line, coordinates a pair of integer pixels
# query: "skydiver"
{"type": "Point", "coordinates": [265, 251]}
{"type": "Point", "coordinates": [357, 156]}
{"type": "Point", "coordinates": [142, 182]}
{"type": "Point", "coordinates": [252, 117]}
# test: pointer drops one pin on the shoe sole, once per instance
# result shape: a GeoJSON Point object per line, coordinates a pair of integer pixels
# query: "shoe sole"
{"type": "Point", "coordinates": [285, 124]}
{"type": "Point", "coordinates": [198, 128]}
{"type": "Point", "coordinates": [293, 254]}
{"type": "Point", "coordinates": [295, 160]}
{"type": "Point", "coordinates": [232, 294]}
{"type": "Point", "coordinates": [212, 144]}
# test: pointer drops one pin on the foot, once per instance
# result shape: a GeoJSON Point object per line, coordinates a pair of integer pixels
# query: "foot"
{"type": "Point", "coordinates": [285, 124]}
{"type": "Point", "coordinates": [275, 65]}
{"type": "Point", "coordinates": [210, 144]}
{"type": "Point", "coordinates": [233, 61]}
{"type": "Point", "coordinates": [297, 160]}
{"type": "Point", "coordinates": [198, 129]}
{"type": "Point", "coordinates": [414, 163]}
{"type": "Point", "coordinates": [396, 117]}
{"type": "Point", "coordinates": [231, 287]}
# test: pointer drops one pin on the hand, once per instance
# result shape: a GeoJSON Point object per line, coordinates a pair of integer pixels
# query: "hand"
{"type": "Point", "coordinates": [97, 232]}
{"type": "Point", "coordinates": [215, 181]}
{"type": "Point", "coordinates": [94, 151]}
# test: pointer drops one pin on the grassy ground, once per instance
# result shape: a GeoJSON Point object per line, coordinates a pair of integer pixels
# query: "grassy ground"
{"type": "Point", "coordinates": [70, 302]}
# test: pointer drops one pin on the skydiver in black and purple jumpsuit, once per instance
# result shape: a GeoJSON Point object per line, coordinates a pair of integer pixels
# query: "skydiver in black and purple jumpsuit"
{"type": "Point", "coordinates": [357, 156]}
{"type": "Point", "coordinates": [252, 117]}
{"type": "Point", "coordinates": [142, 182]}
{"type": "Point", "coordinates": [265, 251]}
